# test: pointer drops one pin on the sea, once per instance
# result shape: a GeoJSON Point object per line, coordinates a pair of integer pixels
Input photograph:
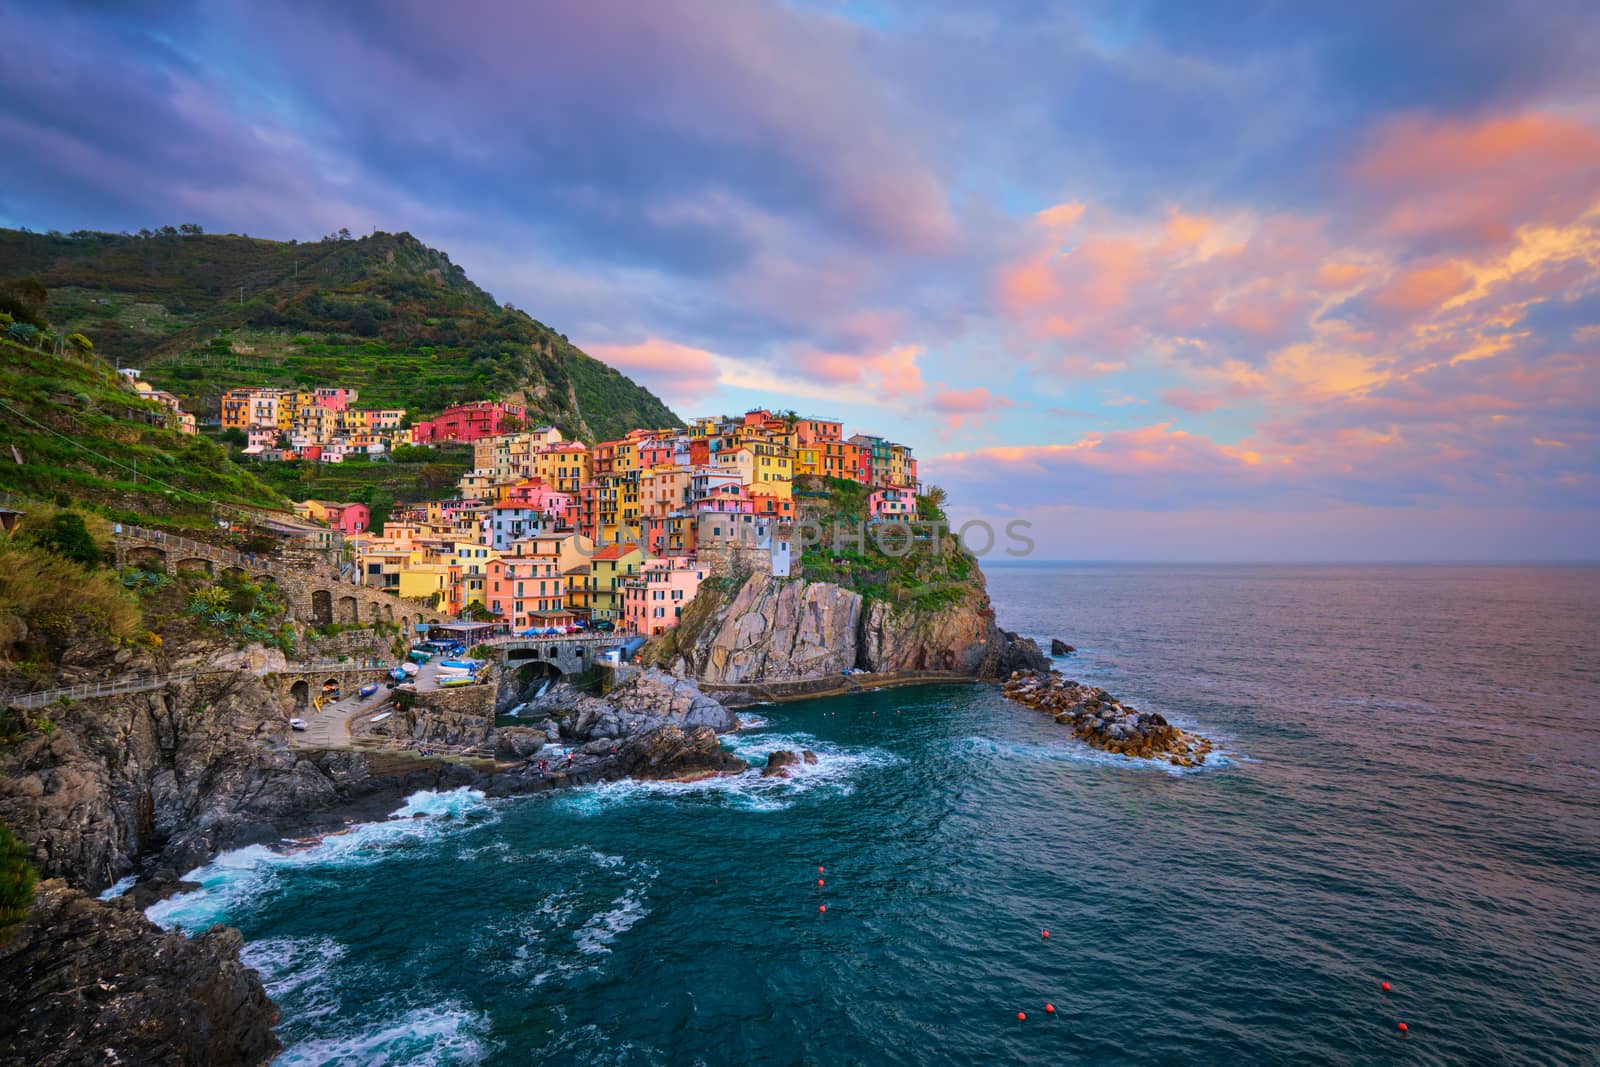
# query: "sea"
{"type": "Point", "coordinates": [1407, 792]}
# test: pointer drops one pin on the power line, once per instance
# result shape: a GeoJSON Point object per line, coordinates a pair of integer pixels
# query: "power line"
{"type": "Point", "coordinates": [118, 463]}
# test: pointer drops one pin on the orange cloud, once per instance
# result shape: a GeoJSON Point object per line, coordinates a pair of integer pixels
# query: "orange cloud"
{"type": "Point", "coordinates": [1342, 275]}
{"type": "Point", "coordinates": [1061, 216]}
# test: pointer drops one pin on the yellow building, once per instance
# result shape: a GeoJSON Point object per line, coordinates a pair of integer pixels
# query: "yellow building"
{"type": "Point", "coordinates": [564, 467]}
{"type": "Point", "coordinates": [808, 459]}
{"type": "Point", "coordinates": [610, 568]}
{"type": "Point", "coordinates": [772, 471]}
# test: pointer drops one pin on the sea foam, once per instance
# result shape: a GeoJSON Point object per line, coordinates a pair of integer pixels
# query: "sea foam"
{"type": "Point", "coordinates": [447, 1033]}
{"type": "Point", "coordinates": [834, 773]}
{"type": "Point", "coordinates": [230, 881]}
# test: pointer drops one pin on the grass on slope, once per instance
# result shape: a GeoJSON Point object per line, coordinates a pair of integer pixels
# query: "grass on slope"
{"type": "Point", "coordinates": [378, 485]}
{"type": "Point", "coordinates": [70, 430]}
{"type": "Point", "coordinates": [933, 574]}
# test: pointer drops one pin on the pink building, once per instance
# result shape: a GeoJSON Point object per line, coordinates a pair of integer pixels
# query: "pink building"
{"type": "Point", "coordinates": [562, 507]}
{"type": "Point", "coordinates": [654, 601]}
{"type": "Point", "coordinates": [468, 422]}
{"type": "Point", "coordinates": [335, 399]}
{"type": "Point", "coordinates": [655, 452]}
{"type": "Point", "coordinates": [348, 518]}
{"type": "Point", "coordinates": [726, 499]}
{"type": "Point", "coordinates": [891, 504]}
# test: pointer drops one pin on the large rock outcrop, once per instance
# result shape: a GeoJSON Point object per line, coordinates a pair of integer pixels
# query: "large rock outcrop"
{"type": "Point", "coordinates": [775, 630]}
{"type": "Point", "coordinates": [84, 984]}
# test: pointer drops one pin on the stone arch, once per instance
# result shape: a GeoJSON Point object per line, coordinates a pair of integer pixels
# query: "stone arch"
{"type": "Point", "coordinates": [374, 611]}
{"type": "Point", "coordinates": [146, 558]}
{"type": "Point", "coordinates": [347, 610]}
{"type": "Point", "coordinates": [193, 563]}
{"type": "Point", "coordinates": [236, 574]}
{"type": "Point", "coordinates": [552, 652]}
{"type": "Point", "coordinates": [388, 613]}
{"type": "Point", "coordinates": [321, 607]}
{"type": "Point", "coordinates": [300, 694]}
{"type": "Point", "coordinates": [536, 669]}
{"type": "Point", "coordinates": [405, 624]}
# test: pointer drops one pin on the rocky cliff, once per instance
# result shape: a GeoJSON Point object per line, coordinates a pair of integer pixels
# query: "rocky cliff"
{"type": "Point", "coordinates": [776, 629]}
{"type": "Point", "coordinates": [174, 774]}
{"type": "Point", "coordinates": [86, 983]}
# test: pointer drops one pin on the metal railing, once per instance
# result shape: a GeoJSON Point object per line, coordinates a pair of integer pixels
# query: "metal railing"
{"type": "Point", "coordinates": [199, 549]}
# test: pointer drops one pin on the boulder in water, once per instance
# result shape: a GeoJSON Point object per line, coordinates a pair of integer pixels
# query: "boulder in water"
{"type": "Point", "coordinates": [778, 764]}
{"type": "Point", "coordinates": [1059, 647]}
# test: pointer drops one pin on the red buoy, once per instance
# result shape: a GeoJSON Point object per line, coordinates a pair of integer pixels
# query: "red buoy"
{"type": "Point", "coordinates": [1045, 934]}
{"type": "Point", "coordinates": [1384, 986]}
{"type": "Point", "coordinates": [1402, 1028]}
{"type": "Point", "coordinates": [819, 870]}
{"type": "Point", "coordinates": [822, 907]}
{"type": "Point", "coordinates": [1049, 1009]}
{"type": "Point", "coordinates": [819, 881]}
{"type": "Point", "coordinates": [1022, 1015]}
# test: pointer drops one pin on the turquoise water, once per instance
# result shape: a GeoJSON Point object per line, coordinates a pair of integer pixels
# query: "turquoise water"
{"type": "Point", "coordinates": [1407, 793]}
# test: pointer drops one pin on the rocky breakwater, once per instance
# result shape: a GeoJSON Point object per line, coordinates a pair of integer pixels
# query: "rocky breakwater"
{"type": "Point", "coordinates": [1100, 719]}
{"type": "Point", "coordinates": [83, 982]}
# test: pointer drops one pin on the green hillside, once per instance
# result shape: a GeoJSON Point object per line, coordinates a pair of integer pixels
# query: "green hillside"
{"type": "Point", "coordinates": [384, 314]}
{"type": "Point", "coordinates": [71, 430]}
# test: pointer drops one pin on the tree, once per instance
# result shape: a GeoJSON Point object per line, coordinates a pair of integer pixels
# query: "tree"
{"type": "Point", "coordinates": [234, 436]}
{"type": "Point", "coordinates": [25, 300]}
{"type": "Point", "coordinates": [191, 228]}
{"type": "Point", "coordinates": [81, 343]}
{"type": "Point", "coordinates": [22, 332]}
{"type": "Point", "coordinates": [17, 879]}
{"type": "Point", "coordinates": [67, 536]}
{"type": "Point", "coordinates": [478, 612]}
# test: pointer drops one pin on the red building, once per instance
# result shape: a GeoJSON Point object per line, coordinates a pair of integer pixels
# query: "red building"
{"type": "Point", "coordinates": [468, 422]}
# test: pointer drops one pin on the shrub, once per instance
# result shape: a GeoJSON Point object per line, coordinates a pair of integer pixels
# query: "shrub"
{"type": "Point", "coordinates": [65, 534]}
{"type": "Point", "coordinates": [17, 880]}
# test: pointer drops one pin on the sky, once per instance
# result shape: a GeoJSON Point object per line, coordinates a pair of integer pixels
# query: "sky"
{"type": "Point", "coordinates": [1224, 281]}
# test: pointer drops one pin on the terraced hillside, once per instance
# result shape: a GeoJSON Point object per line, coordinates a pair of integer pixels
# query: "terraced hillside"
{"type": "Point", "coordinates": [72, 431]}
{"type": "Point", "coordinates": [384, 313]}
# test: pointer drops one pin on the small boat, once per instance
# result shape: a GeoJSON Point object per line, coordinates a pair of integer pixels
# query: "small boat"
{"type": "Point", "coordinates": [409, 669]}
{"type": "Point", "coordinates": [459, 664]}
{"type": "Point", "coordinates": [367, 690]}
{"type": "Point", "coordinates": [454, 680]}
{"type": "Point", "coordinates": [297, 724]}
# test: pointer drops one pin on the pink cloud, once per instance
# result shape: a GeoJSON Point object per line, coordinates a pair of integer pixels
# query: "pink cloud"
{"type": "Point", "coordinates": [893, 374]}
{"type": "Point", "coordinates": [681, 374]}
{"type": "Point", "coordinates": [1192, 401]}
{"type": "Point", "coordinates": [1423, 288]}
{"type": "Point", "coordinates": [1472, 182]}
